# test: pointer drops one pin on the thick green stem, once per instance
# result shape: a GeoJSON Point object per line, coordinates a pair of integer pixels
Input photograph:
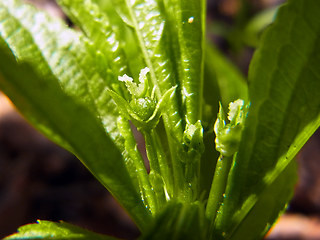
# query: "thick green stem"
{"type": "Point", "coordinates": [218, 187]}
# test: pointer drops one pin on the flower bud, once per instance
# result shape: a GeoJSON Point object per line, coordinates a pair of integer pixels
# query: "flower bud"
{"type": "Point", "coordinates": [228, 136]}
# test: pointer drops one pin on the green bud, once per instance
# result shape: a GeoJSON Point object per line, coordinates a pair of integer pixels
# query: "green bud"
{"type": "Point", "coordinates": [137, 90]}
{"type": "Point", "coordinates": [143, 107]}
{"type": "Point", "coordinates": [193, 140]}
{"type": "Point", "coordinates": [228, 136]}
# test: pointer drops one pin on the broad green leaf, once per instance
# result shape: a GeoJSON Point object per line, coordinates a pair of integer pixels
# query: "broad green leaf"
{"type": "Point", "coordinates": [54, 50]}
{"type": "Point", "coordinates": [55, 231]}
{"type": "Point", "coordinates": [47, 44]}
{"type": "Point", "coordinates": [52, 111]}
{"type": "Point", "coordinates": [107, 45]}
{"type": "Point", "coordinates": [284, 80]}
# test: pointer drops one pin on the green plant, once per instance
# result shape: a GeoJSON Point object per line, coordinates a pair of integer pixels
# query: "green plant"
{"type": "Point", "coordinates": [66, 83]}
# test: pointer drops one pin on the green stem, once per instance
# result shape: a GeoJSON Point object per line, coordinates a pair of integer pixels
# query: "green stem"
{"type": "Point", "coordinates": [142, 175]}
{"type": "Point", "coordinates": [218, 187]}
{"type": "Point", "coordinates": [151, 151]}
{"type": "Point", "coordinates": [180, 186]}
{"type": "Point", "coordinates": [164, 164]}
{"type": "Point", "coordinates": [155, 156]}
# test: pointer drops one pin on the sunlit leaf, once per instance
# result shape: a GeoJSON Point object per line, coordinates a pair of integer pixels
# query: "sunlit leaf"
{"type": "Point", "coordinates": [284, 79]}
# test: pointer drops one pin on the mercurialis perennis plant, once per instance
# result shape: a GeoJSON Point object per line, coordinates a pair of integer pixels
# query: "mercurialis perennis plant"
{"type": "Point", "coordinates": [220, 147]}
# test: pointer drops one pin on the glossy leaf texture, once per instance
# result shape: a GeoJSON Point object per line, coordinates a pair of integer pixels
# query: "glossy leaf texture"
{"type": "Point", "coordinates": [65, 58]}
{"type": "Point", "coordinates": [55, 231]}
{"type": "Point", "coordinates": [110, 61]}
{"type": "Point", "coordinates": [188, 27]}
{"type": "Point", "coordinates": [284, 79]}
{"type": "Point", "coordinates": [97, 27]}
{"type": "Point", "coordinates": [147, 22]}
{"type": "Point", "coordinates": [185, 26]}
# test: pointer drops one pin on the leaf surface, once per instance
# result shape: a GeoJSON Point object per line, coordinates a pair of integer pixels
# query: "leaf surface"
{"type": "Point", "coordinates": [188, 27]}
{"type": "Point", "coordinates": [31, 37]}
{"type": "Point", "coordinates": [97, 27]}
{"type": "Point", "coordinates": [284, 80]}
{"type": "Point", "coordinates": [112, 62]}
{"type": "Point", "coordinates": [56, 231]}
{"type": "Point", "coordinates": [280, 190]}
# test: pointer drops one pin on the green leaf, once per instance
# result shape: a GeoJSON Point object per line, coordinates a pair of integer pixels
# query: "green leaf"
{"type": "Point", "coordinates": [184, 29]}
{"type": "Point", "coordinates": [284, 80]}
{"type": "Point", "coordinates": [56, 231]}
{"type": "Point", "coordinates": [48, 44]}
{"type": "Point", "coordinates": [145, 19]}
{"type": "Point", "coordinates": [55, 51]}
{"type": "Point", "coordinates": [257, 24]}
{"type": "Point", "coordinates": [280, 190]}
{"type": "Point", "coordinates": [188, 27]}
{"type": "Point", "coordinates": [56, 114]}
{"type": "Point", "coordinates": [97, 27]}
{"type": "Point", "coordinates": [179, 221]}
{"type": "Point", "coordinates": [148, 21]}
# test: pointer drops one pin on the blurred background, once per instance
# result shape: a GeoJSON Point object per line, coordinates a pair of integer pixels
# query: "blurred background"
{"type": "Point", "coordinates": [39, 180]}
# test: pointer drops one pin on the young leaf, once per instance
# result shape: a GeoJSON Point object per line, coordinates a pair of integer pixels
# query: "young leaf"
{"type": "Point", "coordinates": [64, 120]}
{"type": "Point", "coordinates": [284, 80]}
{"type": "Point", "coordinates": [55, 231]}
{"type": "Point", "coordinates": [188, 27]}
